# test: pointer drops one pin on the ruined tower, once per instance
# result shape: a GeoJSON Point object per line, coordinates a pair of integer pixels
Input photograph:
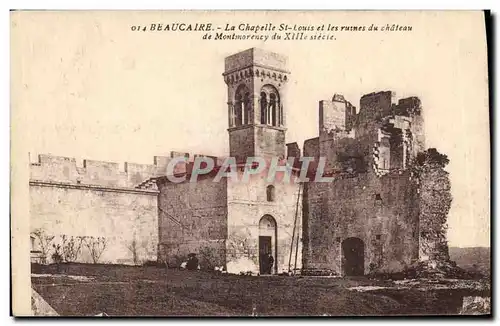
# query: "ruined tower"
{"type": "Point", "coordinates": [256, 81]}
{"type": "Point", "coordinates": [367, 219]}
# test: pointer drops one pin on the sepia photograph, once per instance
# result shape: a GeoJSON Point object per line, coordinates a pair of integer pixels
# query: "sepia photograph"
{"type": "Point", "coordinates": [250, 163]}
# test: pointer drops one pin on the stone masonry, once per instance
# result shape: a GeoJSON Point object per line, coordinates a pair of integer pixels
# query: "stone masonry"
{"type": "Point", "coordinates": [364, 220]}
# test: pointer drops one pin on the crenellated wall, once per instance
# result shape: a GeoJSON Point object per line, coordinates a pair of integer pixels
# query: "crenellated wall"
{"type": "Point", "coordinates": [91, 172]}
{"type": "Point", "coordinates": [50, 168]}
{"type": "Point", "coordinates": [99, 199]}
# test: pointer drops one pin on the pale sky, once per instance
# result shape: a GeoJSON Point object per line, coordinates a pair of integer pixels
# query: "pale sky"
{"type": "Point", "coordinates": [88, 87]}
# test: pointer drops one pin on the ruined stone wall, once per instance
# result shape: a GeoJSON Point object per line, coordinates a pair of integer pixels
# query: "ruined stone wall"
{"type": "Point", "coordinates": [371, 202]}
{"type": "Point", "coordinates": [193, 219]}
{"type": "Point", "coordinates": [412, 107]}
{"type": "Point", "coordinates": [247, 205]}
{"type": "Point", "coordinates": [338, 148]}
{"type": "Point", "coordinates": [349, 208]}
{"type": "Point", "coordinates": [374, 106]}
{"type": "Point", "coordinates": [311, 147]}
{"type": "Point", "coordinates": [120, 215]}
{"type": "Point", "coordinates": [292, 150]}
{"type": "Point", "coordinates": [332, 115]}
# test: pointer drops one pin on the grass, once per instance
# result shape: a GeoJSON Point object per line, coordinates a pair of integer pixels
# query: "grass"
{"type": "Point", "coordinates": [154, 291]}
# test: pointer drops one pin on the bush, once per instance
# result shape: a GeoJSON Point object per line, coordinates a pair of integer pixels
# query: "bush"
{"type": "Point", "coordinates": [56, 256]}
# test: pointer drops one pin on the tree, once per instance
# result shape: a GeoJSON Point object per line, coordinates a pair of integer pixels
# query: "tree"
{"type": "Point", "coordinates": [434, 200]}
{"type": "Point", "coordinates": [71, 248]}
{"type": "Point", "coordinates": [56, 255]}
{"type": "Point", "coordinates": [96, 246]}
{"type": "Point", "coordinates": [45, 241]}
{"type": "Point", "coordinates": [133, 248]}
{"type": "Point", "coordinates": [431, 158]}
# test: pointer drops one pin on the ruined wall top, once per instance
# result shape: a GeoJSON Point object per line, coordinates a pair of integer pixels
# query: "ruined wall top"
{"type": "Point", "coordinates": [383, 136]}
{"type": "Point", "coordinates": [339, 115]}
{"type": "Point", "coordinates": [379, 105]}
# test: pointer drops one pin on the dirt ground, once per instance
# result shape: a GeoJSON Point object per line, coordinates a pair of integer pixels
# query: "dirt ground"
{"type": "Point", "coordinates": [87, 290]}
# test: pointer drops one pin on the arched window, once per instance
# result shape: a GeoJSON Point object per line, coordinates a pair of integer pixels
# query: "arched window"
{"type": "Point", "coordinates": [270, 107]}
{"type": "Point", "coordinates": [246, 108]}
{"type": "Point", "coordinates": [280, 118]}
{"type": "Point", "coordinates": [263, 108]}
{"type": "Point", "coordinates": [238, 110]}
{"type": "Point", "coordinates": [241, 106]}
{"type": "Point", "coordinates": [270, 193]}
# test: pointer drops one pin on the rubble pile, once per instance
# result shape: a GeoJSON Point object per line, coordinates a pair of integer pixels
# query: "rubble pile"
{"type": "Point", "coordinates": [476, 306]}
{"type": "Point", "coordinates": [439, 269]}
{"type": "Point", "coordinates": [430, 269]}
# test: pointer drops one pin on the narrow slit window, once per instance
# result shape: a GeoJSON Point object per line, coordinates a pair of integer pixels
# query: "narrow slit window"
{"type": "Point", "coordinates": [270, 193]}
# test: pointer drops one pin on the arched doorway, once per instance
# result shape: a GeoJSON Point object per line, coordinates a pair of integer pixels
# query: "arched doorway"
{"type": "Point", "coordinates": [267, 244]}
{"type": "Point", "coordinates": [353, 251]}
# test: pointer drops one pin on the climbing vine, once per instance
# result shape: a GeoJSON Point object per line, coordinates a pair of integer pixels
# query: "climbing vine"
{"type": "Point", "coordinates": [434, 193]}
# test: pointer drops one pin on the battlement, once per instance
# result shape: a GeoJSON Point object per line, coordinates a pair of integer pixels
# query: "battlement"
{"type": "Point", "coordinates": [375, 106]}
{"type": "Point", "coordinates": [384, 134]}
{"type": "Point", "coordinates": [409, 106]}
{"type": "Point", "coordinates": [338, 115]}
{"type": "Point", "coordinates": [60, 169]}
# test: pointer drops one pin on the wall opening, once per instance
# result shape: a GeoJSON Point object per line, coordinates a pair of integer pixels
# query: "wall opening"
{"type": "Point", "coordinates": [263, 108]}
{"type": "Point", "coordinates": [241, 106]}
{"type": "Point", "coordinates": [270, 193]}
{"type": "Point", "coordinates": [385, 154]}
{"type": "Point", "coordinates": [270, 106]}
{"type": "Point", "coordinates": [353, 251]}
{"type": "Point", "coordinates": [396, 150]}
{"type": "Point", "coordinates": [268, 245]}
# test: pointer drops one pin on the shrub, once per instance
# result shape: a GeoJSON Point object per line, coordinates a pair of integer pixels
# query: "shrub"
{"type": "Point", "coordinates": [71, 248]}
{"type": "Point", "coordinates": [56, 256]}
{"type": "Point", "coordinates": [96, 246]}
